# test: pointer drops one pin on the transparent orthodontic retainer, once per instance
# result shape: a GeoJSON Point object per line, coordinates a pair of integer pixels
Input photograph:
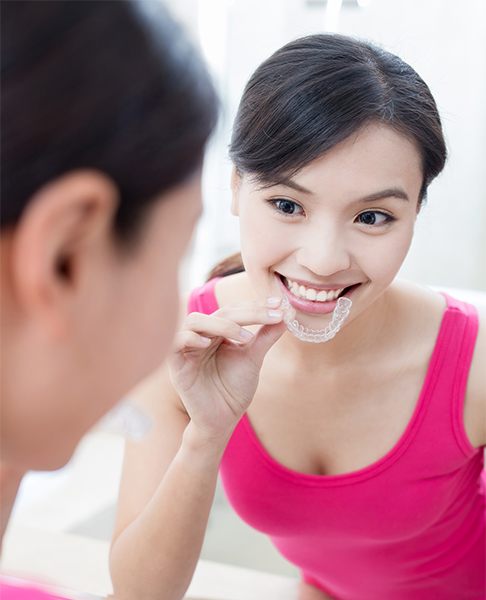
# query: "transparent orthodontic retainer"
{"type": "Point", "coordinates": [317, 336]}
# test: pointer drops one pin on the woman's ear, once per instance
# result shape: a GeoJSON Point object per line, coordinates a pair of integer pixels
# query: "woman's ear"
{"type": "Point", "coordinates": [235, 191]}
{"type": "Point", "coordinates": [59, 237]}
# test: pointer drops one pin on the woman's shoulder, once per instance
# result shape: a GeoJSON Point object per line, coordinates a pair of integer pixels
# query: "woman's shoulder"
{"type": "Point", "coordinates": [219, 292]}
{"type": "Point", "coordinates": [233, 288]}
{"type": "Point", "coordinates": [428, 303]}
{"type": "Point", "coordinates": [414, 295]}
{"type": "Point", "coordinates": [420, 308]}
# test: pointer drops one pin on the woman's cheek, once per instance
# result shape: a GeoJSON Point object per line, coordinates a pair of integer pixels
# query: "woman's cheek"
{"type": "Point", "coordinates": [382, 257]}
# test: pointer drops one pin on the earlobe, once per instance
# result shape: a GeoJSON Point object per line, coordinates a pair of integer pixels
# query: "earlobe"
{"type": "Point", "coordinates": [55, 239]}
{"type": "Point", "coordinates": [235, 189]}
{"type": "Point", "coordinates": [234, 205]}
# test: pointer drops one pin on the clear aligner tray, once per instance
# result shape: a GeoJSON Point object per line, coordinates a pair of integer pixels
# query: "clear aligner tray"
{"type": "Point", "coordinates": [317, 336]}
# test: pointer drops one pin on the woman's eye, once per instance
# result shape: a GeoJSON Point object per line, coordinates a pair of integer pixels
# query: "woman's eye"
{"type": "Point", "coordinates": [370, 218]}
{"type": "Point", "coordinates": [286, 207]}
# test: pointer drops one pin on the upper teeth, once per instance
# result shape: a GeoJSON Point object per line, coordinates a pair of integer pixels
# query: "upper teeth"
{"type": "Point", "coordinates": [311, 294]}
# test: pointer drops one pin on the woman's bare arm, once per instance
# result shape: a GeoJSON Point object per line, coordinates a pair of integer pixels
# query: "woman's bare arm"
{"type": "Point", "coordinates": [169, 477]}
{"type": "Point", "coordinates": [166, 493]}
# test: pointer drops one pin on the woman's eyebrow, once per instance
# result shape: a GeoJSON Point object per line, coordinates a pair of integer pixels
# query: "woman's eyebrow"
{"type": "Point", "coordinates": [393, 192]}
{"type": "Point", "coordinates": [295, 186]}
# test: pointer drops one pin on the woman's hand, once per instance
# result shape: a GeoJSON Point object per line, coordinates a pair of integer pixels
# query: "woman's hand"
{"type": "Point", "coordinates": [216, 363]}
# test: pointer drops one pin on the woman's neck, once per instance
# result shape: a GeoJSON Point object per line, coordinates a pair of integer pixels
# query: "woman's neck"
{"type": "Point", "coordinates": [358, 340]}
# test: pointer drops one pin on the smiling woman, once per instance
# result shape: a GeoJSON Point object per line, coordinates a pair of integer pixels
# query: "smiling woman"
{"type": "Point", "coordinates": [299, 128]}
{"type": "Point", "coordinates": [333, 236]}
{"type": "Point", "coordinates": [327, 448]}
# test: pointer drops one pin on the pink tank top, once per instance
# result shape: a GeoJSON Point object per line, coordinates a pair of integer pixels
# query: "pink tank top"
{"type": "Point", "coordinates": [410, 526]}
{"type": "Point", "coordinates": [18, 590]}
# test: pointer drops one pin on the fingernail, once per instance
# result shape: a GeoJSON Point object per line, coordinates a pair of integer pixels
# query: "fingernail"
{"type": "Point", "coordinates": [245, 334]}
{"type": "Point", "coordinates": [273, 300]}
{"type": "Point", "coordinates": [206, 341]}
{"type": "Point", "coordinates": [275, 314]}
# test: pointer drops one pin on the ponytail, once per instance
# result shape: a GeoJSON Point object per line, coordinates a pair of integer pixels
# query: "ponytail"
{"type": "Point", "coordinates": [229, 266]}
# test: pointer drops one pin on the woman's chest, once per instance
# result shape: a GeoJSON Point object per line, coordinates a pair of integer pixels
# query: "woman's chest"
{"type": "Point", "coordinates": [334, 426]}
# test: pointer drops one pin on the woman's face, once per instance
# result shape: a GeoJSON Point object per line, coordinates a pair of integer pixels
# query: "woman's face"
{"type": "Point", "coordinates": [346, 219]}
{"type": "Point", "coordinates": [114, 321]}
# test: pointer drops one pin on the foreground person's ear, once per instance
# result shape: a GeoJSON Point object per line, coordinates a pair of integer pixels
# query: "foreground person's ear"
{"type": "Point", "coordinates": [65, 226]}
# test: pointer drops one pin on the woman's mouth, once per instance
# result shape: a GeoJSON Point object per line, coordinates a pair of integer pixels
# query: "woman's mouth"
{"type": "Point", "coordinates": [310, 300]}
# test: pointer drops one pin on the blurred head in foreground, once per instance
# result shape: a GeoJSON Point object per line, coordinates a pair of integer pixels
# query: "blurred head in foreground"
{"type": "Point", "coordinates": [105, 115]}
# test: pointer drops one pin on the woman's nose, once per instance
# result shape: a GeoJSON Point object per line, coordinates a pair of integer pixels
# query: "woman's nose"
{"type": "Point", "coordinates": [324, 251]}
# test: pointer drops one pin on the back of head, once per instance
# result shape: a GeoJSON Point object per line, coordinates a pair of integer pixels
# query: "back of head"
{"type": "Point", "coordinates": [318, 90]}
{"type": "Point", "coordinates": [99, 85]}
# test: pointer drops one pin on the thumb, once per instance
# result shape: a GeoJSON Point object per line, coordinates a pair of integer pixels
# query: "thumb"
{"type": "Point", "coordinates": [265, 338]}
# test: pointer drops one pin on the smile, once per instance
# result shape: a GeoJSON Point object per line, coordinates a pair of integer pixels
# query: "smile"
{"type": "Point", "coordinates": [311, 294]}
{"type": "Point", "coordinates": [313, 300]}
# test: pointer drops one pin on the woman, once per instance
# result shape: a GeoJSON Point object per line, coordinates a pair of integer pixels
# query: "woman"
{"type": "Point", "coordinates": [105, 115]}
{"type": "Point", "coordinates": [360, 456]}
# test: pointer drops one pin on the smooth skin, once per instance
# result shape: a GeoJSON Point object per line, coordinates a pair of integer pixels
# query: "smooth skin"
{"type": "Point", "coordinates": [305, 401]}
{"type": "Point", "coordinates": [75, 304]}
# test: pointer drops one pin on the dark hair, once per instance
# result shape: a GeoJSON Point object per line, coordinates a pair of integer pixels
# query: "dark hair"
{"type": "Point", "coordinates": [100, 85]}
{"type": "Point", "coordinates": [315, 92]}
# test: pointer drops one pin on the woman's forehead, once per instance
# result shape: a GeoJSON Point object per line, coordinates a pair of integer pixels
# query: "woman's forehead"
{"type": "Point", "coordinates": [367, 163]}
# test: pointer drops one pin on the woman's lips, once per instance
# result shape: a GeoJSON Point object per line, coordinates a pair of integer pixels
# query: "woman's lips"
{"type": "Point", "coordinates": [311, 306]}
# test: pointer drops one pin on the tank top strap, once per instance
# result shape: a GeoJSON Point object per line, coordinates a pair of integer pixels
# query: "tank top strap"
{"type": "Point", "coordinates": [447, 380]}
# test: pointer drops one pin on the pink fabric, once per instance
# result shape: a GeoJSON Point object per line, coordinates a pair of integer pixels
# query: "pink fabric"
{"type": "Point", "coordinates": [410, 526]}
{"type": "Point", "coordinates": [19, 591]}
